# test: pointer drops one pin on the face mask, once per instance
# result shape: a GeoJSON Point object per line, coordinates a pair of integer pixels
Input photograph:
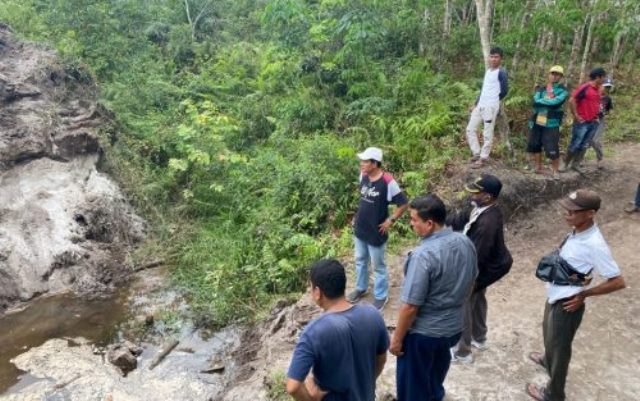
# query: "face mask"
{"type": "Point", "coordinates": [479, 201]}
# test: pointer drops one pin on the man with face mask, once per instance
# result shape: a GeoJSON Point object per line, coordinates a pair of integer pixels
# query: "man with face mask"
{"type": "Point", "coordinates": [484, 226]}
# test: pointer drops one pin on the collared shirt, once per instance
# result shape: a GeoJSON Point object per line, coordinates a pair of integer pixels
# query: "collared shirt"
{"type": "Point", "coordinates": [585, 251]}
{"type": "Point", "coordinates": [475, 213]}
{"type": "Point", "coordinates": [439, 275]}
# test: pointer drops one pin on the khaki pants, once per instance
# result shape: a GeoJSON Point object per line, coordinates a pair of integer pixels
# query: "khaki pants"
{"type": "Point", "coordinates": [558, 329]}
{"type": "Point", "coordinates": [487, 116]}
{"type": "Point", "coordinates": [475, 322]}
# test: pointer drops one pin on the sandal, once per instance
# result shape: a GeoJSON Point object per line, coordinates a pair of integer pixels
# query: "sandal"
{"type": "Point", "coordinates": [536, 392]}
{"type": "Point", "coordinates": [537, 358]}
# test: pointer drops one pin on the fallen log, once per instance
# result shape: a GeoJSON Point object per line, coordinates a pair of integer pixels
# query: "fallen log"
{"type": "Point", "coordinates": [166, 349]}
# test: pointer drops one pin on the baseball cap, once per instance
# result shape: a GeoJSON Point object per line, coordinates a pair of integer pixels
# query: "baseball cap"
{"type": "Point", "coordinates": [597, 72]}
{"type": "Point", "coordinates": [608, 82]}
{"type": "Point", "coordinates": [558, 69]}
{"type": "Point", "coordinates": [486, 183]}
{"type": "Point", "coordinates": [371, 154]}
{"type": "Point", "coordinates": [582, 199]}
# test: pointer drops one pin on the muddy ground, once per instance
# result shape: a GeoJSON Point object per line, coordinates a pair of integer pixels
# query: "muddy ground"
{"type": "Point", "coordinates": [605, 361]}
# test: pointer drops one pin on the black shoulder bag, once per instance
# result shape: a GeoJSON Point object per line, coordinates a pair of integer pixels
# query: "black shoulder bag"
{"type": "Point", "coordinates": [554, 269]}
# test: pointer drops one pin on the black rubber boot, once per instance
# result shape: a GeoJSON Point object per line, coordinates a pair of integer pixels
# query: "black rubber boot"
{"type": "Point", "coordinates": [566, 162]}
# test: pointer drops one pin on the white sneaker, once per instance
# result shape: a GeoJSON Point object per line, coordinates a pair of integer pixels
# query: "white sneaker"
{"type": "Point", "coordinates": [462, 360]}
{"type": "Point", "coordinates": [479, 345]}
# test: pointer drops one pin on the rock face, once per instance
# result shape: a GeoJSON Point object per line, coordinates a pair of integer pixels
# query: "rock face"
{"type": "Point", "coordinates": [63, 224]}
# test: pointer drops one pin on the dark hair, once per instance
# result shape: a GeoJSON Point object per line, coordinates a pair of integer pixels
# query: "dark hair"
{"type": "Point", "coordinates": [496, 50]}
{"type": "Point", "coordinates": [430, 207]}
{"type": "Point", "coordinates": [329, 276]}
{"type": "Point", "coordinates": [377, 163]}
{"type": "Point", "coordinates": [597, 73]}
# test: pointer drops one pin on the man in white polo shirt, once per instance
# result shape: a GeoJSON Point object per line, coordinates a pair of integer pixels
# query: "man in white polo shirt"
{"type": "Point", "coordinates": [585, 250]}
{"type": "Point", "coordinates": [494, 88]}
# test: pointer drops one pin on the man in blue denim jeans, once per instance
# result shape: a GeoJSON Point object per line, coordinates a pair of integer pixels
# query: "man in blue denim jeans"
{"type": "Point", "coordinates": [585, 107]}
{"type": "Point", "coordinates": [378, 190]}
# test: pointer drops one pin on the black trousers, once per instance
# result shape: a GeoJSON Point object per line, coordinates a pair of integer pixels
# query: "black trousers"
{"type": "Point", "coordinates": [559, 327]}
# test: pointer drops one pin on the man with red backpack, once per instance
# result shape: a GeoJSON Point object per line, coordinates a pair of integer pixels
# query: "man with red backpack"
{"type": "Point", "coordinates": [585, 107]}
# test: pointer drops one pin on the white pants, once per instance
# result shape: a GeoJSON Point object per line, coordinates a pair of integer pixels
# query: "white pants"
{"type": "Point", "coordinates": [486, 115]}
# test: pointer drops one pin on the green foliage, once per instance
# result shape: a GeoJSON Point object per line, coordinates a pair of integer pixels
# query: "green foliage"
{"type": "Point", "coordinates": [237, 123]}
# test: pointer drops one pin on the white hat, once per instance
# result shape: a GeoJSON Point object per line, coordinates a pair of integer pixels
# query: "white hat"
{"type": "Point", "coordinates": [371, 154]}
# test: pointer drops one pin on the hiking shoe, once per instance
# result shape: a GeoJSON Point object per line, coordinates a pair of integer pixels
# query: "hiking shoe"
{"type": "Point", "coordinates": [380, 303]}
{"type": "Point", "coordinates": [355, 295]}
{"type": "Point", "coordinates": [632, 209]}
{"type": "Point", "coordinates": [481, 345]}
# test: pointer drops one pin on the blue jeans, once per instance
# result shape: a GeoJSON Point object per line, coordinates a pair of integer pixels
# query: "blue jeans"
{"type": "Point", "coordinates": [364, 253]}
{"type": "Point", "coordinates": [581, 136]}
{"type": "Point", "coordinates": [638, 196]}
{"type": "Point", "coordinates": [421, 371]}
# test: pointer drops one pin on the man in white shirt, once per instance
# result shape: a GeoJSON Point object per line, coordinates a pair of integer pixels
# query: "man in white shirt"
{"type": "Point", "coordinates": [585, 250]}
{"type": "Point", "coordinates": [485, 110]}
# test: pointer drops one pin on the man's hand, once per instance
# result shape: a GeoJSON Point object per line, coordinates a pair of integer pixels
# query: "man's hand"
{"type": "Point", "coordinates": [578, 119]}
{"type": "Point", "coordinates": [396, 346]}
{"type": "Point", "coordinates": [574, 303]}
{"type": "Point", "coordinates": [385, 226]}
{"type": "Point", "coordinates": [315, 392]}
{"type": "Point", "coordinates": [305, 391]}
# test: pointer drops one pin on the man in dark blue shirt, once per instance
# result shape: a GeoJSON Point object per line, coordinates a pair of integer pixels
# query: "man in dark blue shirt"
{"type": "Point", "coordinates": [346, 346]}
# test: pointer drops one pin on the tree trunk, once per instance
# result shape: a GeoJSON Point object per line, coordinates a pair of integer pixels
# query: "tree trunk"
{"type": "Point", "coordinates": [587, 47]}
{"type": "Point", "coordinates": [525, 17]}
{"type": "Point", "coordinates": [483, 10]}
{"type": "Point", "coordinates": [556, 48]}
{"type": "Point", "coordinates": [575, 48]}
{"type": "Point", "coordinates": [545, 45]}
{"type": "Point", "coordinates": [446, 29]}
{"type": "Point", "coordinates": [618, 46]}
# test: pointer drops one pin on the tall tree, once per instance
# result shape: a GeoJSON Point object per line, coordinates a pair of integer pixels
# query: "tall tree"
{"type": "Point", "coordinates": [484, 10]}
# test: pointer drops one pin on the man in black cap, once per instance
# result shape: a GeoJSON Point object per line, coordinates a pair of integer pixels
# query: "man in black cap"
{"type": "Point", "coordinates": [485, 227]}
{"type": "Point", "coordinates": [585, 250]}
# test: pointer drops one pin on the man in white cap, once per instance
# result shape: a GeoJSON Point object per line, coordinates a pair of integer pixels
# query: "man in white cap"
{"type": "Point", "coordinates": [378, 190]}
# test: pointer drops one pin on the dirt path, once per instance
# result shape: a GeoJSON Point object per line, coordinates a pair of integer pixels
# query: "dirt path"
{"type": "Point", "coordinates": [606, 350]}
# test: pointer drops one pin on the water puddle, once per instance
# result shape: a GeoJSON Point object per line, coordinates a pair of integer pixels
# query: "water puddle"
{"type": "Point", "coordinates": [57, 316]}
